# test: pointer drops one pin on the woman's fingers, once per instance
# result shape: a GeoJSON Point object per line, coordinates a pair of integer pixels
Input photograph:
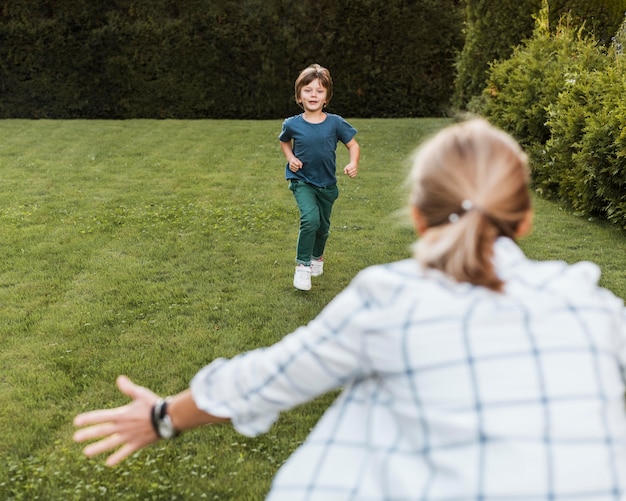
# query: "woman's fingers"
{"type": "Point", "coordinates": [121, 454]}
{"type": "Point", "coordinates": [134, 391]}
{"type": "Point", "coordinates": [127, 428]}
{"type": "Point", "coordinates": [99, 416]}
{"type": "Point", "coordinates": [95, 431]}
{"type": "Point", "coordinates": [104, 445]}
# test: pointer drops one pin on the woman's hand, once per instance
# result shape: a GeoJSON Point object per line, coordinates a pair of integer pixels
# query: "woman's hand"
{"type": "Point", "coordinates": [128, 427]}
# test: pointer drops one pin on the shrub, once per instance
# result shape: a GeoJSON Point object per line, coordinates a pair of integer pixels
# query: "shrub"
{"type": "Point", "coordinates": [561, 95]}
{"type": "Point", "coordinates": [557, 176]}
{"type": "Point", "coordinates": [599, 18]}
{"type": "Point", "coordinates": [600, 162]}
{"type": "Point", "coordinates": [521, 89]}
{"type": "Point", "coordinates": [492, 29]}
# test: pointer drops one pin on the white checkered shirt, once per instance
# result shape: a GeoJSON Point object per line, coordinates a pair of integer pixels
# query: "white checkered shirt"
{"type": "Point", "coordinates": [450, 392]}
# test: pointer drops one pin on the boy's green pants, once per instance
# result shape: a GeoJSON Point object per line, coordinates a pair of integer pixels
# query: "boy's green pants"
{"type": "Point", "coordinates": [315, 205]}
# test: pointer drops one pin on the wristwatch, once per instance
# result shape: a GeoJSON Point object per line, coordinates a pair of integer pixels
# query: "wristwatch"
{"type": "Point", "coordinates": [161, 422]}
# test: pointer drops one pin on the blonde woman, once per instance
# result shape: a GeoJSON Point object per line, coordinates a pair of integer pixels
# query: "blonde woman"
{"type": "Point", "coordinates": [468, 373]}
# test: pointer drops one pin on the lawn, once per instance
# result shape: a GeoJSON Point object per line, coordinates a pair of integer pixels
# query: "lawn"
{"type": "Point", "coordinates": [149, 248]}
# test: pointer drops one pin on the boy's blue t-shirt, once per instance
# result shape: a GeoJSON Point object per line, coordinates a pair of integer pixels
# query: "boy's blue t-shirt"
{"type": "Point", "coordinates": [315, 146]}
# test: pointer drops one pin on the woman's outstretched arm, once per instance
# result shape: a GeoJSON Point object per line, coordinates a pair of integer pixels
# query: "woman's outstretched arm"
{"type": "Point", "coordinates": [129, 428]}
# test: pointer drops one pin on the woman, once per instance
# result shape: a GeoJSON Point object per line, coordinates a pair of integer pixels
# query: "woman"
{"type": "Point", "coordinates": [469, 372]}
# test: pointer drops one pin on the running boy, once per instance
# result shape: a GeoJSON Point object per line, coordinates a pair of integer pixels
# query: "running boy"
{"type": "Point", "coordinates": [309, 141]}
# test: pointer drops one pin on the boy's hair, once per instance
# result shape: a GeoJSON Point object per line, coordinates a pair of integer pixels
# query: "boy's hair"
{"type": "Point", "coordinates": [307, 75]}
{"type": "Point", "coordinates": [470, 183]}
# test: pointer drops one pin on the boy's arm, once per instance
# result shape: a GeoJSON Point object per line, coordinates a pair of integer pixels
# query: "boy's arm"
{"type": "Point", "coordinates": [294, 163]}
{"type": "Point", "coordinates": [355, 155]}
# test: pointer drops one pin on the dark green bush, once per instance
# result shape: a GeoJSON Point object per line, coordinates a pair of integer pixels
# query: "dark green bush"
{"type": "Point", "coordinates": [561, 95]}
{"type": "Point", "coordinates": [557, 176]}
{"type": "Point", "coordinates": [227, 59]}
{"type": "Point", "coordinates": [599, 18]}
{"type": "Point", "coordinates": [600, 159]}
{"type": "Point", "coordinates": [492, 29]}
{"type": "Point", "coordinates": [521, 89]}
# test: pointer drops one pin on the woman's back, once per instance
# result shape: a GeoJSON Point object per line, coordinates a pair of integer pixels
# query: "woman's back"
{"type": "Point", "coordinates": [517, 393]}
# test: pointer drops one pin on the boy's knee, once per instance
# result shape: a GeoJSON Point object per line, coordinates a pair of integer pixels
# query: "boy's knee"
{"type": "Point", "coordinates": [310, 221]}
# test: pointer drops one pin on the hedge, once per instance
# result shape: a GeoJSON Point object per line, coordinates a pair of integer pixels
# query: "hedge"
{"type": "Point", "coordinates": [494, 28]}
{"type": "Point", "coordinates": [228, 59]}
{"type": "Point", "coordinates": [561, 95]}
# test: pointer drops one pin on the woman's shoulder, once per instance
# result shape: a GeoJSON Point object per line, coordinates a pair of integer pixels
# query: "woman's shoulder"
{"type": "Point", "coordinates": [396, 275]}
{"type": "Point", "coordinates": [547, 280]}
{"type": "Point", "coordinates": [522, 276]}
{"type": "Point", "coordinates": [402, 268]}
{"type": "Point", "coordinates": [401, 285]}
{"type": "Point", "coordinates": [513, 264]}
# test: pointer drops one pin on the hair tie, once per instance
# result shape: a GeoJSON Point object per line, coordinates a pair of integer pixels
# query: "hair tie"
{"type": "Point", "coordinates": [466, 205]}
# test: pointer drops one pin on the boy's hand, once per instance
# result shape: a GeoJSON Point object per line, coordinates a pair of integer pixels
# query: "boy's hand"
{"type": "Point", "coordinates": [295, 164]}
{"type": "Point", "coordinates": [351, 170]}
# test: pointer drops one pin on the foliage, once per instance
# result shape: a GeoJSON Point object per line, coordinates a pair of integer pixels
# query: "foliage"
{"type": "Point", "coordinates": [600, 18]}
{"type": "Point", "coordinates": [494, 28]}
{"type": "Point", "coordinates": [561, 95]}
{"type": "Point", "coordinates": [520, 89]}
{"type": "Point", "coordinates": [512, 96]}
{"type": "Point", "coordinates": [229, 59]}
{"type": "Point", "coordinates": [596, 181]}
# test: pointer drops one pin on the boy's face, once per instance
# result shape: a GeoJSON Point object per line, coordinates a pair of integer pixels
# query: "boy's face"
{"type": "Point", "coordinates": [313, 96]}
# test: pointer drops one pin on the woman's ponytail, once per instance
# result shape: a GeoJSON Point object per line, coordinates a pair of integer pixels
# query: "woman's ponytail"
{"type": "Point", "coordinates": [470, 185]}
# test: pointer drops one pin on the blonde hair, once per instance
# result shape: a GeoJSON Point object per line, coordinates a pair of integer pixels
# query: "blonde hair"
{"type": "Point", "coordinates": [470, 184]}
{"type": "Point", "coordinates": [310, 73]}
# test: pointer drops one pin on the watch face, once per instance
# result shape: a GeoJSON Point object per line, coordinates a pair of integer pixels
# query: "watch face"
{"type": "Point", "coordinates": [166, 430]}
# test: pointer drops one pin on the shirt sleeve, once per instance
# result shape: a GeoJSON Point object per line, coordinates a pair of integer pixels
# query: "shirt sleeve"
{"type": "Point", "coordinates": [285, 135]}
{"type": "Point", "coordinates": [621, 340]}
{"type": "Point", "coordinates": [253, 388]}
{"type": "Point", "coordinates": [345, 131]}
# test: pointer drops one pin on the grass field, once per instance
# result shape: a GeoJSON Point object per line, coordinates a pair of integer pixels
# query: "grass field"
{"type": "Point", "coordinates": [149, 248]}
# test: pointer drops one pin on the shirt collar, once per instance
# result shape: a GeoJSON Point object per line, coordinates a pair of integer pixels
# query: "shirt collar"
{"type": "Point", "coordinates": [506, 255]}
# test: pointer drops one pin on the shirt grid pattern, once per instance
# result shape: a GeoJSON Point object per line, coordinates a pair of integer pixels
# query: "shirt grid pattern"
{"type": "Point", "coordinates": [414, 386]}
{"type": "Point", "coordinates": [451, 392]}
{"type": "Point", "coordinates": [544, 403]}
{"type": "Point", "coordinates": [608, 439]}
{"type": "Point", "coordinates": [480, 438]}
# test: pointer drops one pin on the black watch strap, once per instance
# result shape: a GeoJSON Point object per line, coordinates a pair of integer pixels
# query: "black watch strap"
{"type": "Point", "coordinates": [161, 422]}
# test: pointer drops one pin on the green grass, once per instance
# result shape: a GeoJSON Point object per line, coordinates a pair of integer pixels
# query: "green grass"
{"type": "Point", "coordinates": [151, 247]}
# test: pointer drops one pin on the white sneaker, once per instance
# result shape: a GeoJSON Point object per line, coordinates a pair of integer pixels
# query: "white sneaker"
{"type": "Point", "coordinates": [317, 267]}
{"type": "Point", "coordinates": [302, 278]}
